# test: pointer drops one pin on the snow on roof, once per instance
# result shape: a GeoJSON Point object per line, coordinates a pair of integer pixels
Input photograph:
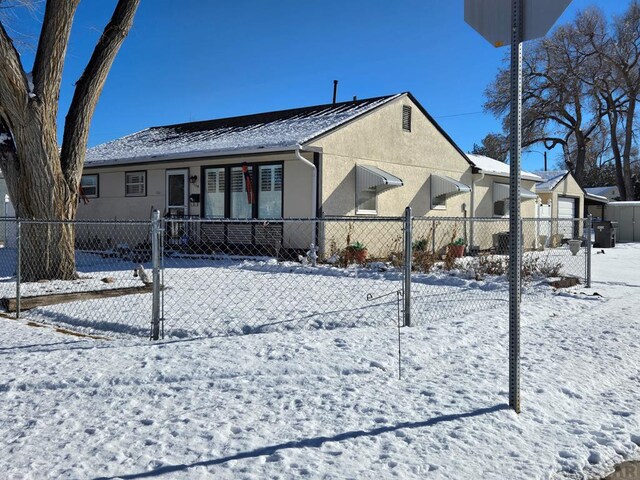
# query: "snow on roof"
{"type": "Point", "coordinates": [495, 167]}
{"type": "Point", "coordinates": [602, 191]}
{"type": "Point", "coordinates": [597, 198]}
{"type": "Point", "coordinates": [551, 179]}
{"type": "Point", "coordinates": [280, 130]}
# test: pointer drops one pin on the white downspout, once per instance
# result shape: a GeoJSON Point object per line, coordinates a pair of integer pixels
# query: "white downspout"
{"type": "Point", "coordinates": [314, 186]}
{"type": "Point", "coordinates": [313, 248]}
{"type": "Point", "coordinates": [473, 208]}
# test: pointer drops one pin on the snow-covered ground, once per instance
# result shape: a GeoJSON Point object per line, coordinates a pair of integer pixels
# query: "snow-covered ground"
{"type": "Point", "coordinates": [328, 403]}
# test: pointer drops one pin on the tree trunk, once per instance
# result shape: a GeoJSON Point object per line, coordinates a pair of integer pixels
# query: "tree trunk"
{"type": "Point", "coordinates": [43, 180]}
{"type": "Point", "coordinates": [42, 196]}
{"type": "Point", "coordinates": [628, 144]}
{"type": "Point", "coordinates": [581, 155]}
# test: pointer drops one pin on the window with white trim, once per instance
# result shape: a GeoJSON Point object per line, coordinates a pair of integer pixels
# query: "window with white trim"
{"type": "Point", "coordinates": [366, 201]}
{"type": "Point", "coordinates": [270, 191]}
{"type": "Point", "coordinates": [439, 202]}
{"type": "Point", "coordinates": [214, 192]}
{"type": "Point", "coordinates": [500, 207]}
{"type": "Point", "coordinates": [89, 185]}
{"type": "Point", "coordinates": [135, 184]}
{"type": "Point", "coordinates": [242, 196]}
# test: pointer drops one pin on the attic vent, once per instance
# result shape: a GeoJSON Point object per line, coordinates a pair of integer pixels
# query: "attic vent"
{"type": "Point", "coordinates": [406, 118]}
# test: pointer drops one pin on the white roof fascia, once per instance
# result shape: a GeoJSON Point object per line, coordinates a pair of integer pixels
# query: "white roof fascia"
{"type": "Point", "coordinates": [195, 154]}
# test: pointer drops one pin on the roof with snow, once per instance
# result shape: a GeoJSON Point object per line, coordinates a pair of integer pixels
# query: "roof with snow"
{"type": "Point", "coordinates": [551, 179]}
{"type": "Point", "coordinates": [495, 167]}
{"type": "Point", "coordinates": [271, 131]}
{"type": "Point", "coordinates": [608, 192]}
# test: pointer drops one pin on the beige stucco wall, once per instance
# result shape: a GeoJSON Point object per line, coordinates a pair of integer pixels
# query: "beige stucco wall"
{"type": "Point", "coordinates": [377, 139]}
{"type": "Point", "coordinates": [112, 203]}
{"type": "Point", "coordinates": [483, 196]}
{"type": "Point", "coordinates": [484, 234]}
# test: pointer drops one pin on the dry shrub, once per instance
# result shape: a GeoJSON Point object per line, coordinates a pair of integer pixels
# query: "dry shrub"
{"type": "Point", "coordinates": [491, 265]}
{"type": "Point", "coordinates": [423, 261]}
{"type": "Point", "coordinates": [533, 265]}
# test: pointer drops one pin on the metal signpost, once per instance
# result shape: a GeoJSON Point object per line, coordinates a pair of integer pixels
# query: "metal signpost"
{"type": "Point", "coordinates": [514, 21]}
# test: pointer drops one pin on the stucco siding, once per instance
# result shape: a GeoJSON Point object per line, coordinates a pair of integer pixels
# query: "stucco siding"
{"type": "Point", "coordinates": [378, 139]}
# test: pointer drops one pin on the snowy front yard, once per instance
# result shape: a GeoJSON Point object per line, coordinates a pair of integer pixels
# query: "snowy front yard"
{"type": "Point", "coordinates": [328, 403]}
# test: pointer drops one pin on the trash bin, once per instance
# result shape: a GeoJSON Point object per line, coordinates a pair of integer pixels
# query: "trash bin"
{"type": "Point", "coordinates": [502, 243]}
{"type": "Point", "coordinates": [605, 234]}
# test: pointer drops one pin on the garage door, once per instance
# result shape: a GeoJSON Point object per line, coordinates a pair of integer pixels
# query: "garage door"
{"type": "Point", "coordinates": [566, 214]}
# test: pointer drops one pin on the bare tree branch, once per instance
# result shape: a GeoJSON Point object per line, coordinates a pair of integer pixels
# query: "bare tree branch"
{"type": "Point", "coordinates": [89, 87]}
{"type": "Point", "coordinates": [13, 82]}
{"type": "Point", "coordinates": [52, 48]}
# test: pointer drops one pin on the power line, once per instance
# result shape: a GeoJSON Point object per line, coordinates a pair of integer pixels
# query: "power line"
{"type": "Point", "coordinates": [458, 114]}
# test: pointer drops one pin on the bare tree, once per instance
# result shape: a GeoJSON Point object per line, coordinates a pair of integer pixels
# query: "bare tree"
{"type": "Point", "coordinates": [493, 145]}
{"type": "Point", "coordinates": [617, 84]}
{"type": "Point", "coordinates": [558, 107]}
{"type": "Point", "coordinates": [43, 180]}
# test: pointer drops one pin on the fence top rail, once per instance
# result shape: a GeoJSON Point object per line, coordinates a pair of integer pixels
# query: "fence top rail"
{"type": "Point", "coordinates": [275, 221]}
{"type": "Point", "coordinates": [146, 223]}
{"type": "Point", "coordinates": [494, 219]}
{"type": "Point", "coordinates": [257, 221]}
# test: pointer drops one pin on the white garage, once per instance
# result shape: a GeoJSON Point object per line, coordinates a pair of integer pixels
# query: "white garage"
{"type": "Point", "coordinates": [627, 214]}
{"type": "Point", "coordinates": [566, 214]}
{"type": "Point", "coordinates": [562, 192]}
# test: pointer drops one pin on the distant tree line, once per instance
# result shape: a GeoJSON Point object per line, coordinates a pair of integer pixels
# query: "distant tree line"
{"type": "Point", "coordinates": [581, 86]}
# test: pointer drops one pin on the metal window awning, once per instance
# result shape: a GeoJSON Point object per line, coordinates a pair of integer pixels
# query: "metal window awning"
{"type": "Point", "coordinates": [501, 192]}
{"type": "Point", "coordinates": [368, 177]}
{"type": "Point", "coordinates": [443, 185]}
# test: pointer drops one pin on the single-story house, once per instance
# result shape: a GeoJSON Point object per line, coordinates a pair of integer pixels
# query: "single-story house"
{"type": "Point", "coordinates": [566, 198]}
{"type": "Point", "coordinates": [596, 199]}
{"type": "Point", "coordinates": [611, 193]}
{"type": "Point", "coordinates": [369, 157]}
{"type": "Point", "coordinates": [490, 199]}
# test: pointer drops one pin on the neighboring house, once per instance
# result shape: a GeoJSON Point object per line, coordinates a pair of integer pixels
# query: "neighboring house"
{"type": "Point", "coordinates": [491, 189]}
{"type": "Point", "coordinates": [596, 199]}
{"type": "Point", "coordinates": [561, 191]}
{"type": "Point", "coordinates": [370, 157]}
{"type": "Point", "coordinates": [490, 198]}
{"type": "Point", "coordinates": [610, 193]}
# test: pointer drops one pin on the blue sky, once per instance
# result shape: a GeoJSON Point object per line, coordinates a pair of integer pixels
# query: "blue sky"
{"type": "Point", "coordinates": [195, 59]}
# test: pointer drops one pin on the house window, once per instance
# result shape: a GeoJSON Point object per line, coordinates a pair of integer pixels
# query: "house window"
{"type": "Point", "coordinates": [214, 192]}
{"type": "Point", "coordinates": [242, 195]}
{"type": "Point", "coordinates": [270, 193]}
{"type": "Point", "coordinates": [439, 202]}
{"type": "Point", "coordinates": [406, 118]}
{"type": "Point", "coordinates": [89, 186]}
{"type": "Point", "coordinates": [500, 200]}
{"type": "Point", "coordinates": [135, 184]}
{"type": "Point", "coordinates": [366, 201]}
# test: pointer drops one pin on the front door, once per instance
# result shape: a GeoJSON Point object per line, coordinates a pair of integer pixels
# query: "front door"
{"type": "Point", "coordinates": [177, 190]}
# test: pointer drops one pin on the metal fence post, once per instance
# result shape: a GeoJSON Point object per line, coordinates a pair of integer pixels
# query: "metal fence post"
{"type": "Point", "coordinates": [408, 257]}
{"type": "Point", "coordinates": [588, 249]}
{"type": "Point", "coordinates": [155, 255]}
{"type": "Point", "coordinates": [18, 271]}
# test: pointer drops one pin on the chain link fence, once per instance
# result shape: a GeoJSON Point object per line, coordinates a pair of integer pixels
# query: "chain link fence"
{"type": "Point", "coordinates": [227, 277]}
{"type": "Point", "coordinates": [460, 265]}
